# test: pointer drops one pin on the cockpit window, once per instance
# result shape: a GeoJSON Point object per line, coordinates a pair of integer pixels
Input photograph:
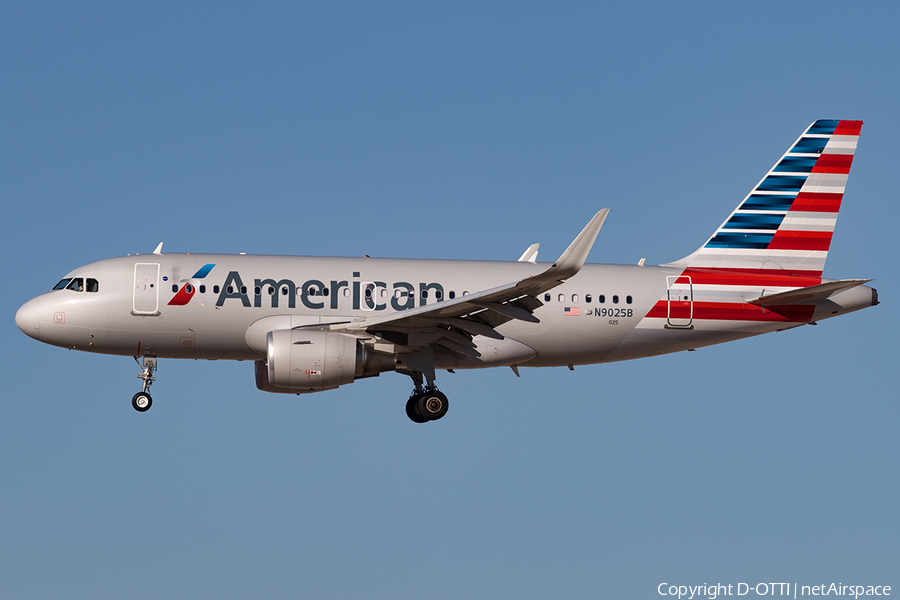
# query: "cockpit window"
{"type": "Point", "coordinates": [62, 284]}
{"type": "Point", "coordinates": [92, 285]}
{"type": "Point", "coordinates": [77, 284]}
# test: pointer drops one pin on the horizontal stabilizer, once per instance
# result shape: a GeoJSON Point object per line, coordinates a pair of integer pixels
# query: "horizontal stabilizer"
{"type": "Point", "coordinates": [808, 295]}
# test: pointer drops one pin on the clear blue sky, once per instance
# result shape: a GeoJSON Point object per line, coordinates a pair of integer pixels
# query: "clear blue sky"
{"type": "Point", "coordinates": [454, 130]}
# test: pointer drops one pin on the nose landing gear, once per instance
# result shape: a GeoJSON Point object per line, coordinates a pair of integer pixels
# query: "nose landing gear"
{"type": "Point", "coordinates": [142, 400]}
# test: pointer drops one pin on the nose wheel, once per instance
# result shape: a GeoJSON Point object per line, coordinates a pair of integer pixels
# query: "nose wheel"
{"type": "Point", "coordinates": [142, 400]}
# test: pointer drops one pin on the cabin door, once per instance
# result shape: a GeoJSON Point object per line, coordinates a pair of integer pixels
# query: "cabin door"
{"type": "Point", "coordinates": [146, 288]}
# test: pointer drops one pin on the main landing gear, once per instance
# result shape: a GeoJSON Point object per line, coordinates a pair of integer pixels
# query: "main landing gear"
{"type": "Point", "coordinates": [425, 403]}
{"type": "Point", "coordinates": [428, 406]}
{"type": "Point", "coordinates": [142, 400]}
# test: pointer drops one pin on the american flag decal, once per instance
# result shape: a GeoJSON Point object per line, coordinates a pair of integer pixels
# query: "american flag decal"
{"type": "Point", "coordinates": [572, 311]}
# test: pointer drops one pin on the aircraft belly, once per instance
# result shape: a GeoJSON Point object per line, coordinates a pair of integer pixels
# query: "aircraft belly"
{"type": "Point", "coordinates": [198, 335]}
{"type": "Point", "coordinates": [651, 337]}
{"type": "Point", "coordinates": [493, 353]}
{"type": "Point", "coordinates": [574, 340]}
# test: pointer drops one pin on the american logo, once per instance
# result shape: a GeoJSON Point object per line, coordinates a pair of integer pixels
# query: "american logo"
{"type": "Point", "coordinates": [187, 291]}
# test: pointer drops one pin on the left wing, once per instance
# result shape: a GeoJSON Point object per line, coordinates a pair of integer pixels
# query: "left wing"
{"type": "Point", "coordinates": [453, 323]}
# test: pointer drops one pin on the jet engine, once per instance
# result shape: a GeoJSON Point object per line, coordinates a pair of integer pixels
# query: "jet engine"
{"type": "Point", "coordinates": [299, 361]}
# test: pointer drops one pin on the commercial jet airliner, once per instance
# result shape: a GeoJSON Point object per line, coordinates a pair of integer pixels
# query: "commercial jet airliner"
{"type": "Point", "coordinates": [312, 324]}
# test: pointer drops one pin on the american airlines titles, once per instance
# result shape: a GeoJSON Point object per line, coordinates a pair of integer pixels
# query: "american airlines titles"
{"type": "Point", "coordinates": [314, 293]}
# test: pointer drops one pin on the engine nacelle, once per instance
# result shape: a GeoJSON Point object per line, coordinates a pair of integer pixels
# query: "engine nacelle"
{"type": "Point", "coordinates": [299, 361]}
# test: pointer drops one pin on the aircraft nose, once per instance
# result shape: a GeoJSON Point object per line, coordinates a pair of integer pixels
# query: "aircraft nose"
{"type": "Point", "coordinates": [28, 318]}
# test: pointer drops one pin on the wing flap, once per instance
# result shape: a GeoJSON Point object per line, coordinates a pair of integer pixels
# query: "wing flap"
{"type": "Point", "coordinates": [511, 311]}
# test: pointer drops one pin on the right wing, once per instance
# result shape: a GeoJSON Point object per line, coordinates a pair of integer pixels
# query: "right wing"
{"type": "Point", "coordinates": [530, 255]}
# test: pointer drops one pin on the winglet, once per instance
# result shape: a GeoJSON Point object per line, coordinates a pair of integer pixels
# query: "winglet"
{"type": "Point", "coordinates": [158, 249]}
{"type": "Point", "coordinates": [530, 255]}
{"type": "Point", "coordinates": [573, 258]}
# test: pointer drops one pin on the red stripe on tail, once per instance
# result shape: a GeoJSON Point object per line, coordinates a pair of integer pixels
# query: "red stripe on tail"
{"type": "Point", "coordinates": [833, 163]}
{"type": "Point", "coordinates": [848, 128]}
{"type": "Point", "coordinates": [753, 277]}
{"type": "Point", "coordinates": [740, 311]}
{"type": "Point", "coordinates": [816, 202]}
{"type": "Point", "coordinates": [800, 240]}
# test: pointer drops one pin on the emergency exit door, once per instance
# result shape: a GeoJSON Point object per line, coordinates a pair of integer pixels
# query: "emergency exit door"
{"type": "Point", "coordinates": [681, 301]}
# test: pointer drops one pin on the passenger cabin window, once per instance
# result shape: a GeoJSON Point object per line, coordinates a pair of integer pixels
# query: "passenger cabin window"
{"type": "Point", "coordinates": [62, 284]}
{"type": "Point", "coordinates": [628, 299]}
{"type": "Point", "coordinates": [546, 297]}
{"type": "Point", "coordinates": [174, 287]}
{"type": "Point", "coordinates": [215, 289]}
{"type": "Point", "coordinates": [202, 289]}
{"type": "Point", "coordinates": [615, 299]}
{"type": "Point", "coordinates": [452, 294]}
{"type": "Point", "coordinates": [77, 285]}
{"type": "Point", "coordinates": [587, 298]}
{"type": "Point", "coordinates": [601, 298]}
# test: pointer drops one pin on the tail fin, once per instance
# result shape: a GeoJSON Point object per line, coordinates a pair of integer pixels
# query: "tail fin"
{"type": "Point", "coordinates": [785, 224]}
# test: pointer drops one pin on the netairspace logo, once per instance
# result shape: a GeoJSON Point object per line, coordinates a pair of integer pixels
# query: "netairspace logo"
{"type": "Point", "coordinates": [794, 590]}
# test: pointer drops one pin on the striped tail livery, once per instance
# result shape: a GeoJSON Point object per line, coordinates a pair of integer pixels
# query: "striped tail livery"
{"type": "Point", "coordinates": [765, 262]}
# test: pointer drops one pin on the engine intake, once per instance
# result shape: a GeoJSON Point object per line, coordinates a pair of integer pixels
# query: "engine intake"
{"type": "Point", "coordinates": [299, 361]}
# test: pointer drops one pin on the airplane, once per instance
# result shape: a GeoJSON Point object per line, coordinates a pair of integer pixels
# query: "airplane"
{"type": "Point", "coordinates": [311, 324]}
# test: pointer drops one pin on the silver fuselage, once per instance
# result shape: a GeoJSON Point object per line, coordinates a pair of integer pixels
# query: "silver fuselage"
{"type": "Point", "coordinates": [133, 316]}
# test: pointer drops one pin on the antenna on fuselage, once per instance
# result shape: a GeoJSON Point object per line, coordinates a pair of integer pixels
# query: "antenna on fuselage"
{"type": "Point", "coordinates": [158, 249]}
